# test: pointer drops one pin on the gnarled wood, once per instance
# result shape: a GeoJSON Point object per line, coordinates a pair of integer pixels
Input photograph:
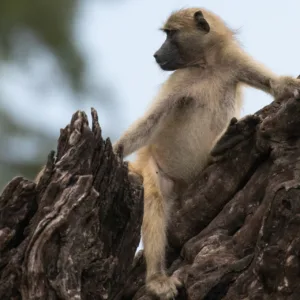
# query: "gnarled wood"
{"type": "Point", "coordinates": [234, 234]}
{"type": "Point", "coordinates": [65, 237]}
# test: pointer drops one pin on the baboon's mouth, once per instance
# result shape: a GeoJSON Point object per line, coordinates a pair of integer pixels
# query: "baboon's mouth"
{"type": "Point", "coordinates": [168, 66]}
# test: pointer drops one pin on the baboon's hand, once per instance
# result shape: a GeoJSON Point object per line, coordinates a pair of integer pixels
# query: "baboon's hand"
{"type": "Point", "coordinates": [285, 85]}
{"type": "Point", "coordinates": [117, 148]}
{"type": "Point", "coordinates": [135, 178]}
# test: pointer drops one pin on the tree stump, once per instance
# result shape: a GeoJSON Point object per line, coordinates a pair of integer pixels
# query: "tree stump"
{"type": "Point", "coordinates": [75, 233]}
{"type": "Point", "coordinates": [234, 233]}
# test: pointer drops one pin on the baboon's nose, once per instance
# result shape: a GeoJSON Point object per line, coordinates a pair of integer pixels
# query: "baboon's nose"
{"type": "Point", "coordinates": [157, 57]}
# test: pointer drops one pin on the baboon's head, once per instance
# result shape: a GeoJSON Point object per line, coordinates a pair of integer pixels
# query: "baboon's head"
{"type": "Point", "coordinates": [191, 33]}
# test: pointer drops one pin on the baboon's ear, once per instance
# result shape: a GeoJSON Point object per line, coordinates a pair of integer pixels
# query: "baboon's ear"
{"type": "Point", "coordinates": [201, 22]}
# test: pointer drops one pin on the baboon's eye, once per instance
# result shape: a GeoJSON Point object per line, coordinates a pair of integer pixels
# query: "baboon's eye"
{"type": "Point", "coordinates": [170, 33]}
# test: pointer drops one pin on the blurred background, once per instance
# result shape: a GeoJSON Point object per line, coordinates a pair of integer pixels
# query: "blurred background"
{"type": "Point", "coordinates": [59, 56]}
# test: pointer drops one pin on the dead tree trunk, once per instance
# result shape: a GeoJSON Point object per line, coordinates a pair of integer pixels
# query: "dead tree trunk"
{"type": "Point", "coordinates": [74, 235]}
{"type": "Point", "coordinates": [234, 234]}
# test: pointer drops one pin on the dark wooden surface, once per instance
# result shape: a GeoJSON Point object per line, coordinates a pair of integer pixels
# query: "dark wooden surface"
{"type": "Point", "coordinates": [74, 235]}
{"type": "Point", "coordinates": [234, 234]}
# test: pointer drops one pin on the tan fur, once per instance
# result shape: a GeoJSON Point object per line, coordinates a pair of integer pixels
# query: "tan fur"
{"type": "Point", "coordinates": [175, 136]}
{"type": "Point", "coordinates": [184, 19]}
{"type": "Point", "coordinates": [177, 133]}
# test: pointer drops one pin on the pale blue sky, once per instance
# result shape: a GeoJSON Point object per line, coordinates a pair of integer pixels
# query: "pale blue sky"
{"type": "Point", "coordinates": [120, 39]}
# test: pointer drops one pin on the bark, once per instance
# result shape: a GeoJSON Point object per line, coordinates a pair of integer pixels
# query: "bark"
{"type": "Point", "coordinates": [74, 235]}
{"type": "Point", "coordinates": [234, 233]}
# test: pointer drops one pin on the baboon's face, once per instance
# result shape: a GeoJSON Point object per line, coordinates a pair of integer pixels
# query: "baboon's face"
{"type": "Point", "coordinates": [183, 43]}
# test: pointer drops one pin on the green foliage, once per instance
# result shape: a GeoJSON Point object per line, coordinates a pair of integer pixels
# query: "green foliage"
{"type": "Point", "coordinates": [51, 22]}
{"type": "Point", "coordinates": [26, 27]}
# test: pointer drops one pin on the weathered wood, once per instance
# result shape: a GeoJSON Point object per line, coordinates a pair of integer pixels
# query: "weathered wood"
{"type": "Point", "coordinates": [65, 237]}
{"type": "Point", "coordinates": [234, 234]}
